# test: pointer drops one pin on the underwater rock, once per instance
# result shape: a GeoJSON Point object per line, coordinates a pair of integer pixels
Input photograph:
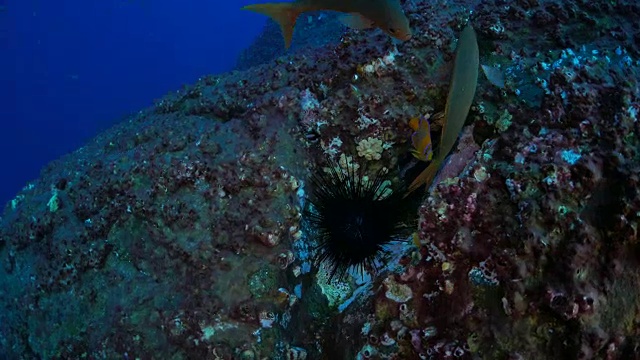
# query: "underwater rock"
{"type": "Point", "coordinates": [177, 233]}
{"type": "Point", "coordinates": [313, 30]}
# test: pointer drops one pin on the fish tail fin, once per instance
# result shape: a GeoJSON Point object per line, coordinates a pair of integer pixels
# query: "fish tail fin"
{"type": "Point", "coordinates": [425, 177]}
{"type": "Point", "coordinates": [285, 14]}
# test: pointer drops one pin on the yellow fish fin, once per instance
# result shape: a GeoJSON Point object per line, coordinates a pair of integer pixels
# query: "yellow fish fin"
{"type": "Point", "coordinates": [426, 176]}
{"type": "Point", "coordinates": [425, 155]}
{"type": "Point", "coordinates": [285, 14]}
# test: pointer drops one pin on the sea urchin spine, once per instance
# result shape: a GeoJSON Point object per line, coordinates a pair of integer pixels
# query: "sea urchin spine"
{"type": "Point", "coordinates": [355, 217]}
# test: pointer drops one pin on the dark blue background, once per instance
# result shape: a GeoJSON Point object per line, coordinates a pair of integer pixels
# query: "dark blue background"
{"type": "Point", "coordinates": [71, 68]}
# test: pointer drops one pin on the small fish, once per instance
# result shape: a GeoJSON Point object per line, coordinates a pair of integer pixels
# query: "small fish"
{"type": "Point", "coordinates": [421, 139]}
{"type": "Point", "coordinates": [359, 14]}
{"type": "Point", "coordinates": [461, 92]}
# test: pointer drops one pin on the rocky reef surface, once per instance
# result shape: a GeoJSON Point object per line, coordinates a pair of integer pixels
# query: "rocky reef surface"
{"type": "Point", "coordinates": [178, 233]}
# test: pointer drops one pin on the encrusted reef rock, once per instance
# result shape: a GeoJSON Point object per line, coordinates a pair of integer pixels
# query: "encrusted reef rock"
{"type": "Point", "coordinates": [178, 233]}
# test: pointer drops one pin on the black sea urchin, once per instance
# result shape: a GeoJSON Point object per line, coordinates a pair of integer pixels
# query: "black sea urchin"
{"type": "Point", "coordinates": [355, 217]}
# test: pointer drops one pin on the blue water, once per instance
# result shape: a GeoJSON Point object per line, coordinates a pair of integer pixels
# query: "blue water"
{"type": "Point", "coordinates": [69, 69]}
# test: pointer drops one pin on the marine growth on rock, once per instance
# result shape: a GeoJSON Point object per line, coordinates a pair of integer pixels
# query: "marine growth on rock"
{"type": "Point", "coordinates": [182, 232]}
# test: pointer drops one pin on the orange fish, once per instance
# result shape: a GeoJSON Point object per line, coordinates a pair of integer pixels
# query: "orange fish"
{"type": "Point", "coordinates": [359, 14]}
{"type": "Point", "coordinates": [421, 139]}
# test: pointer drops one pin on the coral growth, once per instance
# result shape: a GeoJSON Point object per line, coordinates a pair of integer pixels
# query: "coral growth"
{"type": "Point", "coordinates": [370, 148]}
{"type": "Point", "coordinates": [177, 233]}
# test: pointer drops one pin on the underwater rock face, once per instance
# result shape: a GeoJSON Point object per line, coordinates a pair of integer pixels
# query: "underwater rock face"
{"type": "Point", "coordinates": [313, 30]}
{"type": "Point", "coordinates": [177, 234]}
